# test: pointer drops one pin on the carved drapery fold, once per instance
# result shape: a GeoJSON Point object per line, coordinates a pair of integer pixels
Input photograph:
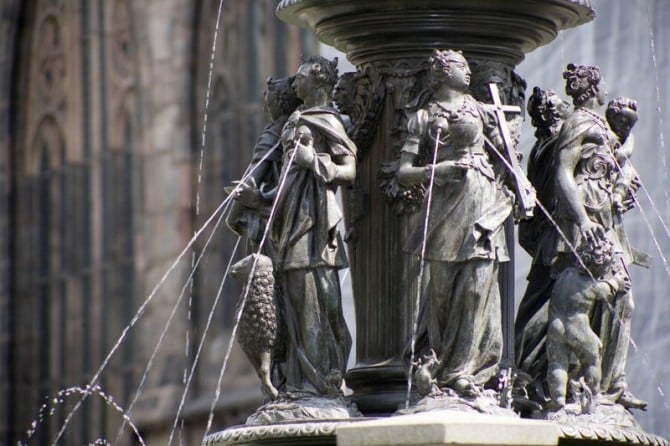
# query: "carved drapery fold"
{"type": "Point", "coordinates": [390, 43]}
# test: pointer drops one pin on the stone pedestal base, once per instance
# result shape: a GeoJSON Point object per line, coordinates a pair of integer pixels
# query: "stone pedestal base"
{"type": "Point", "coordinates": [449, 428]}
{"type": "Point", "coordinates": [436, 428]}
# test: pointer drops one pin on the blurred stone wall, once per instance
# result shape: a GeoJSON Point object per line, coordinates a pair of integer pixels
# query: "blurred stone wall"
{"type": "Point", "coordinates": [107, 100]}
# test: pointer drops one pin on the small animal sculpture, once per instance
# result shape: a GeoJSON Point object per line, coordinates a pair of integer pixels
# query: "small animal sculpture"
{"type": "Point", "coordinates": [425, 383]}
{"type": "Point", "coordinates": [261, 324]}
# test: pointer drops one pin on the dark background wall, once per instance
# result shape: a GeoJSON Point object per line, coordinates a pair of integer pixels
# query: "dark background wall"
{"type": "Point", "coordinates": [101, 119]}
{"type": "Point", "coordinates": [9, 13]}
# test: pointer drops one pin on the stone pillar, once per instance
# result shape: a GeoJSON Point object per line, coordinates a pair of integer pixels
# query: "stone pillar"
{"type": "Point", "coordinates": [390, 42]}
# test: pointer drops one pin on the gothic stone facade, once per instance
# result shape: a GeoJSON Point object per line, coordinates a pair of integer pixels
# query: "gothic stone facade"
{"type": "Point", "coordinates": [101, 120]}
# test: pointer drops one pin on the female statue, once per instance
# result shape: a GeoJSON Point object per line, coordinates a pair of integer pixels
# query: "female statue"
{"type": "Point", "coordinates": [588, 208]}
{"type": "Point", "coordinates": [464, 242]}
{"type": "Point", "coordinates": [547, 112]}
{"type": "Point", "coordinates": [588, 179]}
{"type": "Point", "coordinates": [318, 156]}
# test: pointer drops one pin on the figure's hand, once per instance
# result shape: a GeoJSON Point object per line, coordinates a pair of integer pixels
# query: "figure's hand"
{"type": "Point", "coordinates": [591, 232]}
{"type": "Point", "coordinates": [304, 155]}
{"type": "Point", "coordinates": [618, 285]}
{"type": "Point", "coordinates": [409, 176]}
{"type": "Point", "coordinates": [447, 172]}
{"type": "Point", "coordinates": [617, 202]}
{"type": "Point", "coordinates": [304, 147]}
{"type": "Point", "coordinates": [248, 194]}
{"type": "Point", "coordinates": [635, 183]}
{"type": "Point", "coordinates": [623, 204]}
{"type": "Point", "coordinates": [629, 202]}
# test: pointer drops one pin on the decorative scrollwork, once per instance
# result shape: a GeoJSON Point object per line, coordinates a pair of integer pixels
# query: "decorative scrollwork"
{"type": "Point", "coordinates": [612, 434]}
{"type": "Point", "coordinates": [369, 93]}
{"type": "Point", "coordinates": [275, 433]}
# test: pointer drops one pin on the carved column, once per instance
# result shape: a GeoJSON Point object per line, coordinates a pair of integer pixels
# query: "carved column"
{"type": "Point", "coordinates": [389, 42]}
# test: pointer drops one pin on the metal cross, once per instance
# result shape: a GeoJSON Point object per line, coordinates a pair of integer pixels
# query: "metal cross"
{"type": "Point", "coordinates": [525, 193]}
{"type": "Point", "coordinates": [525, 204]}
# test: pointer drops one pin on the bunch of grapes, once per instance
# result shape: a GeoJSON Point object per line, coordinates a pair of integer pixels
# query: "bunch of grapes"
{"type": "Point", "coordinates": [409, 199]}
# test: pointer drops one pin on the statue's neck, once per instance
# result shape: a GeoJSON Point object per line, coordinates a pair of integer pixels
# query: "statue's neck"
{"type": "Point", "coordinates": [591, 104]}
{"type": "Point", "coordinates": [447, 94]}
{"type": "Point", "coordinates": [318, 98]}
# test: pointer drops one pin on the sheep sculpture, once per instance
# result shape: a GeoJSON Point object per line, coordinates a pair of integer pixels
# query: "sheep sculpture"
{"type": "Point", "coordinates": [261, 325]}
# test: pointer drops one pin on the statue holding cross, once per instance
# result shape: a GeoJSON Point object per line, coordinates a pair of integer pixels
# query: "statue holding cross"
{"type": "Point", "coordinates": [452, 145]}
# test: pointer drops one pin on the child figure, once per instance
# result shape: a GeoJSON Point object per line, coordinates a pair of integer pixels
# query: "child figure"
{"type": "Point", "coordinates": [569, 331]}
{"type": "Point", "coordinates": [622, 114]}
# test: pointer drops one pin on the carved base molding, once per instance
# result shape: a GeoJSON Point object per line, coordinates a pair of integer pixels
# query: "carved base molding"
{"type": "Point", "coordinates": [307, 433]}
{"type": "Point", "coordinates": [434, 428]}
{"type": "Point", "coordinates": [297, 409]}
{"type": "Point", "coordinates": [611, 434]}
{"type": "Point", "coordinates": [486, 403]}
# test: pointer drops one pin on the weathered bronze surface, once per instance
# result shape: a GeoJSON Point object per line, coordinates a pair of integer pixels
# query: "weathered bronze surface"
{"type": "Point", "coordinates": [426, 147]}
{"type": "Point", "coordinates": [578, 305]}
{"type": "Point", "coordinates": [300, 342]}
{"type": "Point", "coordinates": [383, 30]}
{"type": "Point", "coordinates": [390, 42]}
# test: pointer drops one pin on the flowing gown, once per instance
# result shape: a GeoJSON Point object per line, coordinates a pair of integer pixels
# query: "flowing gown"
{"type": "Point", "coordinates": [310, 252]}
{"type": "Point", "coordinates": [460, 314]}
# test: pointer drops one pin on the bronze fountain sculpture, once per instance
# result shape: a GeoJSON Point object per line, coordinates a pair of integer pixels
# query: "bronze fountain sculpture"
{"type": "Point", "coordinates": [421, 141]}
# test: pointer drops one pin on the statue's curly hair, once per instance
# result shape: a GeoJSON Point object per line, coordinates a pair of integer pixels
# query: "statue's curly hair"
{"type": "Point", "coordinates": [625, 108]}
{"type": "Point", "coordinates": [323, 71]}
{"type": "Point", "coordinates": [443, 59]}
{"type": "Point", "coordinates": [582, 82]}
{"type": "Point", "coordinates": [621, 105]}
{"type": "Point", "coordinates": [286, 97]}
{"type": "Point", "coordinates": [543, 113]}
{"type": "Point", "coordinates": [587, 252]}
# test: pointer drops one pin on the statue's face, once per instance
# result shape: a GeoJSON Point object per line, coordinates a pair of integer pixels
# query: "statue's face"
{"type": "Point", "coordinates": [303, 83]}
{"type": "Point", "coordinates": [455, 73]}
{"type": "Point", "coordinates": [600, 262]}
{"type": "Point", "coordinates": [622, 122]}
{"type": "Point", "coordinates": [562, 107]}
{"type": "Point", "coordinates": [343, 96]}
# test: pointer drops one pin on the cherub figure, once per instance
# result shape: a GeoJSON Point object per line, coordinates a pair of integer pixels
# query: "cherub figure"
{"type": "Point", "coordinates": [622, 114]}
{"type": "Point", "coordinates": [573, 297]}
